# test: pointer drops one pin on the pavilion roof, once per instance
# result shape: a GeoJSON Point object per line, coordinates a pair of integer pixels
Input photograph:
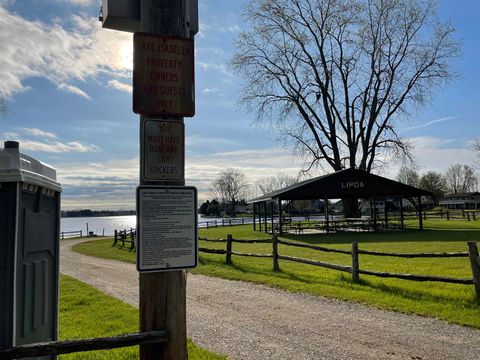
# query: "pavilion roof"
{"type": "Point", "coordinates": [348, 183]}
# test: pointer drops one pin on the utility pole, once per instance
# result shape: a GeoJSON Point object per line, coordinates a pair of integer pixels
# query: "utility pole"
{"type": "Point", "coordinates": [163, 294]}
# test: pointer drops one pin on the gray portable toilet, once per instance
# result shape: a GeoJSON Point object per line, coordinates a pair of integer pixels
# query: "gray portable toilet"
{"type": "Point", "coordinates": [29, 249]}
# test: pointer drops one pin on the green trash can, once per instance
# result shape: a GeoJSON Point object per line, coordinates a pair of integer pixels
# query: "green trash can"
{"type": "Point", "coordinates": [29, 249]}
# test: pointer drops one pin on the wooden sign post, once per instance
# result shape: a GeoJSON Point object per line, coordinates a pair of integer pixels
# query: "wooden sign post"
{"type": "Point", "coordinates": [163, 92]}
{"type": "Point", "coordinates": [163, 294]}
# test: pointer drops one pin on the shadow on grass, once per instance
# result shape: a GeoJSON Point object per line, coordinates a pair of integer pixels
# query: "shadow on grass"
{"type": "Point", "coordinates": [341, 281]}
{"type": "Point", "coordinates": [124, 248]}
{"type": "Point", "coordinates": [410, 294]}
{"type": "Point", "coordinates": [246, 270]}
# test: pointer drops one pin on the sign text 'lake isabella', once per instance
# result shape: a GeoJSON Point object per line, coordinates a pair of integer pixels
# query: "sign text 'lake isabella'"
{"type": "Point", "coordinates": [163, 75]}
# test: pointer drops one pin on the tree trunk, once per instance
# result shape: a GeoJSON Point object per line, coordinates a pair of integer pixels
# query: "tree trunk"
{"type": "Point", "coordinates": [350, 208]}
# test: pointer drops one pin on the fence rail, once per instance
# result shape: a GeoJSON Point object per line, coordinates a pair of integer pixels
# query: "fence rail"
{"type": "Point", "coordinates": [75, 346]}
{"type": "Point", "coordinates": [414, 255]}
{"type": "Point", "coordinates": [354, 269]}
{"type": "Point", "coordinates": [460, 214]}
{"type": "Point", "coordinates": [224, 222]}
{"type": "Point", "coordinates": [70, 234]}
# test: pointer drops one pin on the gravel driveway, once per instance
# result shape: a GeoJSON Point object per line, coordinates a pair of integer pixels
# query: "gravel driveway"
{"type": "Point", "coordinates": [247, 321]}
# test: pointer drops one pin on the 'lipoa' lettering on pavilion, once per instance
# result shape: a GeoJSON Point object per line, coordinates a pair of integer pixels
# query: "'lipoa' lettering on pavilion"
{"type": "Point", "coordinates": [352, 184]}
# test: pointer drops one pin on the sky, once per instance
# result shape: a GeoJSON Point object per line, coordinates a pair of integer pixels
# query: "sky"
{"type": "Point", "coordinates": [68, 86]}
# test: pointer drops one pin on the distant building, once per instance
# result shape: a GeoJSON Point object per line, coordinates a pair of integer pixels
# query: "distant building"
{"type": "Point", "coordinates": [463, 201]}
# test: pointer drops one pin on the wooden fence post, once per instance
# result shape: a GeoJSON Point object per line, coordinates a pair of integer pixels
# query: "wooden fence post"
{"type": "Point", "coordinates": [275, 253]}
{"type": "Point", "coordinates": [355, 264]}
{"type": "Point", "coordinates": [448, 215]}
{"type": "Point", "coordinates": [473, 214]}
{"type": "Point", "coordinates": [229, 250]}
{"type": "Point", "coordinates": [475, 263]}
{"type": "Point", "coordinates": [114, 238]}
{"type": "Point", "coordinates": [132, 240]}
{"type": "Point", "coordinates": [468, 216]}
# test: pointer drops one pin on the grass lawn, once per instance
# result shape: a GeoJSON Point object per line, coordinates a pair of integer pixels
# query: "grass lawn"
{"type": "Point", "coordinates": [453, 303]}
{"type": "Point", "coordinates": [87, 313]}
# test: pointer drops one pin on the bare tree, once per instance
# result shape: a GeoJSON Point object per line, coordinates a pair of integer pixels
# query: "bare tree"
{"type": "Point", "coordinates": [476, 148]}
{"type": "Point", "coordinates": [461, 179]}
{"type": "Point", "coordinates": [229, 187]}
{"type": "Point", "coordinates": [272, 183]}
{"type": "Point", "coordinates": [408, 175]}
{"type": "Point", "coordinates": [335, 75]}
{"type": "Point", "coordinates": [435, 183]}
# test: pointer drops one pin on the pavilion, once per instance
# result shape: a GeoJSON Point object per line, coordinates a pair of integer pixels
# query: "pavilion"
{"type": "Point", "coordinates": [343, 184]}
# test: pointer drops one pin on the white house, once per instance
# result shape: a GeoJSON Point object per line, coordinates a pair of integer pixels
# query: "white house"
{"type": "Point", "coordinates": [464, 201]}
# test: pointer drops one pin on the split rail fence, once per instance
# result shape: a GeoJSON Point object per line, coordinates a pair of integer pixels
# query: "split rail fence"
{"type": "Point", "coordinates": [125, 236]}
{"type": "Point", "coordinates": [354, 269]}
{"type": "Point", "coordinates": [465, 215]}
{"type": "Point", "coordinates": [225, 222]}
{"type": "Point", "coordinates": [75, 346]}
{"type": "Point", "coordinates": [70, 234]}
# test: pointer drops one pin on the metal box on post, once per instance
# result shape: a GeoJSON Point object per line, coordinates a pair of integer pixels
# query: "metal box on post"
{"type": "Point", "coordinates": [124, 15]}
{"type": "Point", "coordinates": [29, 249]}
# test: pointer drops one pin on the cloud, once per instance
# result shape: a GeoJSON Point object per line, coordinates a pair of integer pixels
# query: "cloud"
{"type": "Point", "coordinates": [10, 135]}
{"type": "Point", "coordinates": [107, 185]}
{"type": "Point", "coordinates": [39, 133]}
{"type": "Point", "coordinates": [429, 123]}
{"type": "Point", "coordinates": [47, 144]}
{"type": "Point", "coordinates": [437, 154]}
{"type": "Point", "coordinates": [234, 28]}
{"type": "Point", "coordinates": [58, 147]}
{"type": "Point", "coordinates": [74, 90]}
{"type": "Point", "coordinates": [115, 84]}
{"type": "Point", "coordinates": [111, 184]}
{"type": "Point", "coordinates": [37, 49]}
{"type": "Point", "coordinates": [80, 2]}
{"type": "Point", "coordinates": [210, 91]}
{"type": "Point", "coordinates": [222, 68]}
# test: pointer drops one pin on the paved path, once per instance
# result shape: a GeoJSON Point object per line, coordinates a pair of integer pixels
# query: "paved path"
{"type": "Point", "coordinates": [247, 321]}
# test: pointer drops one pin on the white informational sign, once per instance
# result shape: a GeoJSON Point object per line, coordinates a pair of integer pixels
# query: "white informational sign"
{"type": "Point", "coordinates": [163, 150]}
{"type": "Point", "coordinates": [166, 228]}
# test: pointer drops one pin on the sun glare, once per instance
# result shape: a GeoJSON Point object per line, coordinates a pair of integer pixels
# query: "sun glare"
{"type": "Point", "coordinates": [126, 55]}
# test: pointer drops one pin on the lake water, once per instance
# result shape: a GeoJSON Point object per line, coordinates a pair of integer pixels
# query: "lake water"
{"type": "Point", "coordinates": [106, 224]}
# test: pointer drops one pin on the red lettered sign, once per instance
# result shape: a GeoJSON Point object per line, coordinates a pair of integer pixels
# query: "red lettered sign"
{"type": "Point", "coordinates": [163, 75]}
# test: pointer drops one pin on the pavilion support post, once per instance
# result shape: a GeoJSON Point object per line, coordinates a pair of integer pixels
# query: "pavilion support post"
{"type": "Point", "coordinates": [265, 215]}
{"type": "Point", "coordinates": [290, 211]}
{"type": "Point", "coordinates": [325, 205]}
{"type": "Point", "coordinates": [280, 221]}
{"type": "Point", "coordinates": [271, 210]}
{"type": "Point", "coordinates": [254, 217]}
{"type": "Point", "coordinates": [259, 217]}
{"type": "Point", "coordinates": [401, 213]}
{"type": "Point", "coordinates": [420, 215]}
{"type": "Point", "coordinates": [385, 211]}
